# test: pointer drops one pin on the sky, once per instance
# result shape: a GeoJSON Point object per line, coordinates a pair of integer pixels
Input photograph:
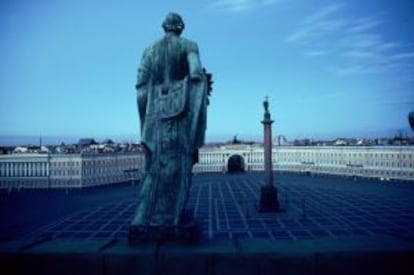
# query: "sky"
{"type": "Point", "coordinates": [330, 68]}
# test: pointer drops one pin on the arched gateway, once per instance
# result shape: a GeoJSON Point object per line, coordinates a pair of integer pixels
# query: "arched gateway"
{"type": "Point", "coordinates": [236, 163]}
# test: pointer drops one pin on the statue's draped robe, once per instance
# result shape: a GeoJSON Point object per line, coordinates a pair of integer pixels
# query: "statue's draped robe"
{"type": "Point", "coordinates": [172, 102]}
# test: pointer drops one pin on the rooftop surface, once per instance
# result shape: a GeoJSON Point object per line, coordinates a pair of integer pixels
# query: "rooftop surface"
{"type": "Point", "coordinates": [326, 222]}
{"type": "Point", "coordinates": [225, 206]}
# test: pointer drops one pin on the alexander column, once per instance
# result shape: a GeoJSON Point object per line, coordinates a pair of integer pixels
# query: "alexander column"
{"type": "Point", "coordinates": [268, 196]}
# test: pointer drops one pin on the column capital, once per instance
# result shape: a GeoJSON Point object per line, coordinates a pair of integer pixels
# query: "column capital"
{"type": "Point", "coordinates": [267, 121]}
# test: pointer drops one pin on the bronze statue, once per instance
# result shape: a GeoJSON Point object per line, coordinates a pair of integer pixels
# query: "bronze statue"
{"type": "Point", "coordinates": [172, 98]}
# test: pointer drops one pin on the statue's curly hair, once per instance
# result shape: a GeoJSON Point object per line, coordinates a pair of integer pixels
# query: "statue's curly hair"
{"type": "Point", "coordinates": [173, 23]}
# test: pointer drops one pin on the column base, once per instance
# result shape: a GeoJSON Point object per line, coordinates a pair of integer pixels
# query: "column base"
{"type": "Point", "coordinates": [268, 199]}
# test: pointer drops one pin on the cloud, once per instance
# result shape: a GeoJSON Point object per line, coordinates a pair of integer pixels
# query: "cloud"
{"type": "Point", "coordinates": [403, 56]}
{"type": "Point", "coordinates": [314, 28]}
{"type": "Point", "coordinates": [238, 6]}
{"type": "Point", "coordinates": [364, 24]}
{"type": "Point", "coordinates": [312, 32]}
{"type": "Point", "coordinates": [408, 101]}
{"type": "Point", "coordinates": [316, 52]}
{"type": "Point", "coordinates": [233, 5]}
{"type": "Point", "coordinates": [323, 13]}
{"type": "Point", "coordinates": [356, 44]}
{"type": "Point", "coordinates": [271, 2]}
{"type": "Point", "coordinates": [356, 69]}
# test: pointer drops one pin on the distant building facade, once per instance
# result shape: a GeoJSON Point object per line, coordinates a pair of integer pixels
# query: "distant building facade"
{"type": "Point", "coordinates": [68, 170]}
{"type": "Point", "coordinates": [386, 162]}
{"type": "Point", "coordinates": [85, 170]}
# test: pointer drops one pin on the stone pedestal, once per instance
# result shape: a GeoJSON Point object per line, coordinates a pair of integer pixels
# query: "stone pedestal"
{"type": "Point", "coordinates": [187, 233]}
{"type": "Point", "coordinates": [268, 199]}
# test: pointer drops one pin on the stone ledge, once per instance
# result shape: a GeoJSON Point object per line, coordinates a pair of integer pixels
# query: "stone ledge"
{"type": "Point", "coordinates": [384, 255]}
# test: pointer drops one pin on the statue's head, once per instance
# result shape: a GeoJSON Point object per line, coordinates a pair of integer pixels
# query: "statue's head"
{"type": "Point", "coordinates": [173, 23]}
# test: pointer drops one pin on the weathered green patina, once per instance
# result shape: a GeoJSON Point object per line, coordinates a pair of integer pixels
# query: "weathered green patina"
{"type": "Point", "coordinates": [172, 102]}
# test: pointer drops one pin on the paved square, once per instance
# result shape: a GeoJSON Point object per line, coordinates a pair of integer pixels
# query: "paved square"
{"type": "Point", "coordinates": [225, 205]}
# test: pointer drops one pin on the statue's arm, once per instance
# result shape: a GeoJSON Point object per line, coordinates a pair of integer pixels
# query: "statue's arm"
{"type": "Point", "coordinates": [143, 79]}
{"type": "Point", "coordinates": [194, 63]}
{"type": "Point", "coordinates": [144, 70]}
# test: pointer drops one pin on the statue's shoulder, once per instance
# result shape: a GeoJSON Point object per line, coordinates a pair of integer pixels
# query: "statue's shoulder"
{"type": "Point", "coordinates": [148, 52]}
{"type": "Point", "coordinates": [152, 48]}
{"type": "Point", "coordinates": [190, 45]}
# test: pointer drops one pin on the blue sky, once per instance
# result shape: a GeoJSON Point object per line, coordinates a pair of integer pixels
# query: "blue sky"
{"type": "Point", "coordinates": [330, 68]}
